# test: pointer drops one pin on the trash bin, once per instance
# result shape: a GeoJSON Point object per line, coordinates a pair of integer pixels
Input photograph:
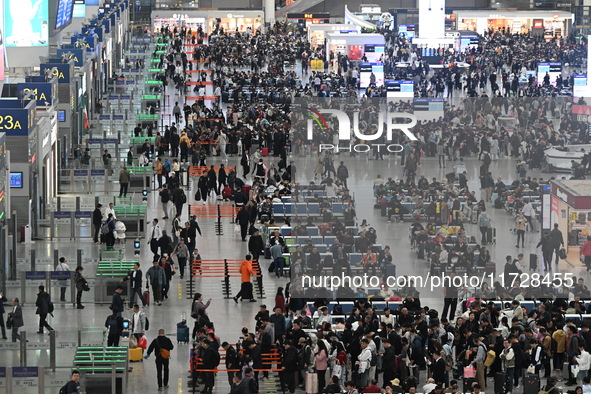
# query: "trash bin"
{"type": "Point", "coordinates": [26, 234]}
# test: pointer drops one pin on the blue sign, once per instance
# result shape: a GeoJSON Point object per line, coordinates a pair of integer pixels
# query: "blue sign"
{"type": "Point", "coordinates": [16, 121]}
{"type": "Point", "coordinates": [80, 172]}
{"type": "Point", "coordinates": [64, 13]}
{"type": "Point", "coordinates": [62, 215]}
{"type": "Point", "coordinates": [72, 54]}
{"type": "Point", "coordinates": [62, 71]}
{"type": "Point", "coordinates": [82, 214]}
{"type": "Point", "coordinates": [25, 23]}
{"type": "Point", "coordinates": [97, 172]}
{"type": "Point", "coordinates": [25, 372]}
{"type": "Point", "coordinates": [35, 275]}
{"type": "Point", "coordinates": [16, 180]}
{"type": "Point", "coordinates": [2, 372]}
{"type": "Point", "coordinates": [59, 275]}
{"type": "Point", "coordinates": [42, 92]}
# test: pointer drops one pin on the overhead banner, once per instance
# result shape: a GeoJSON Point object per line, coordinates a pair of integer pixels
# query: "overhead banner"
{"type": "Point", "coordinates": [26, 23]}
{"type": "Point", "coordinates": [16, 121]}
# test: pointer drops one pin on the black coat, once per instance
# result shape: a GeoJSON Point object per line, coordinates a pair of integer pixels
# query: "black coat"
{"type": "Point", "coordinates": [42, 303]}
{"type": "Point", "coordinates": [117, 303]}
{"type": "Point", "coordinates": [243, 217]}
{"type": "Point", "coordinates": [255, 244]}
{"type": "Point", "coordinates": [438, 369]}
{"type": "Point", "coordinates": [3, 299]}
{"type": "Point", "coordinates": [136, 283]}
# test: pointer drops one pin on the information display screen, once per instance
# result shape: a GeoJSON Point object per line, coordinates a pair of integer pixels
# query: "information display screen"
{"type": "Point", "coordinates": [25, 23]}
{"type": "Point", "coordinates": [407, 31]}
{"type": "Point", "coordinates": [395, 89]}
{"type": "Point", "coordinates": [552, 69]}
{"type": "Point", "coordinates": [16, 180]}
{"type": "Point", "coordinates": [373, 52]}
{"type": "Point", "coordinates": [365, 71]}
{"type": "Point", "coordinates": [64, 13]}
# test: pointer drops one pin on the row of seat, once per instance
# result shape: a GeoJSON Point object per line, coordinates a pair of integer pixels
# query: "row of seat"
{"type": "Point", "coordinates": [354, 258]}
{"type": "Point", "coordinates": [306, 209]}
{"type": "Point", "coordinates": [311, 230]}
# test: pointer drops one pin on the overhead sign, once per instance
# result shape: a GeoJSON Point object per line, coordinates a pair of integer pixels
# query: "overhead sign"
{"type": "Point", "coordinates": [62, 71]}
{"type": "Point", "coordinates": [16, 121]}
{"type": "Point", "coordinates": [43, 92]}
{"type": "Point", "coordinates": [76, 54]}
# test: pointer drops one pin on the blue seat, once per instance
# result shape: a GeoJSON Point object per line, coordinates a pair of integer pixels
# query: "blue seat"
{"type": "Point", "coordinates": [355, 258]}
{"type": "Point", "coordinates": [347, 306]}
{"type": "Point", "coordinates": [288, 209]}
{"type": "Point", "coordinates": [393, 305]}
{"type": "Point", "coordinates": [302, 240]}
{"type": "Point", "coordinates": [313, 209]}
{"type": "Point", "coordinates": [353, 230]}
{"type": "Point", "coordinates": [278, 208]}
{"type": "Point", "coordinates": [379, 305]}
{"type": "Point", "coordinates": [317, 240]}
{"type": "Point", "coordinates": [322, 248]}
{"type": "Point", "coordinates": [312, 231]}
{"type": "Point", "coordinates": [330, 239]}
{"type": "Point", "coordinates": [378, 246]}
{"type": "Point", "coordinates": [529, 305]}
{"type": "Point", "coordinates": [337, 208]}
{"type": "Point", "coordinates": [285, 230]}
{"type": "Point", "coordinates": [301, 209]}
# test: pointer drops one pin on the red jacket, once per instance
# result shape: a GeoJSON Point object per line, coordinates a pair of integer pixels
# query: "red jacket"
{"type": "Point", "coordinates": [586, 249]}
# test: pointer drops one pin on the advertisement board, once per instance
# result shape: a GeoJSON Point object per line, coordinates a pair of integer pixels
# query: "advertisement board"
{"type": "Point", "coordinates": [26, 23]}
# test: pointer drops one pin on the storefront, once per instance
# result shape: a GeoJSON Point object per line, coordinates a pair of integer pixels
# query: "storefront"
{"type": "Point", "coordinates": [570, 208]}
{"type": "Point", "coordinates": [241, 21]}
{"type": "Point", "coordinates": [552, 24]}
{"type": "Point", "coordinates": [317, 33]}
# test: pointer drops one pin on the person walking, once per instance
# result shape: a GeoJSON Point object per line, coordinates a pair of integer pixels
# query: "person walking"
{"type": "Point", "coordinates": [256, 246]}
{"type": "Point", "coordinates": [155, 234]}
{"type": "Point", "coordinates": [62, 266]}
{"type": "Point", "coordinates": [343, 174]}
{"type": "Point", "coordinates": [16, 319]}
{"type": "Point", "coordinates": [138, 322]}
{"type": "Point", "coordinates": [165, 199]}
{"type": "Point", "coordinates": [135, 276]}
{"type": "Point", "coordinates": [161, 346]}
{"type": "Point", "coordinates": [181, 251]}
{"type": "Point", "coordinates": [243, 219]}
{"type": "Point", "coordinates": [157, 278]}
{"type": "Point", "coordinates": [246, 272]}
{"type": "Point", "coordinates": [520, 227]}
{"type": "Point", "coordinates": [44, 307]}
{"type": "Point", "coordinates": [547, 250]}
{"type": "Point", "coordinates": [179, 198]}
{"type": "Point", "coordinates": [484, 225]}
{"type": "Point", "coordinates": [81, 283]}
{"type": "Point", "coordinates": [585, 251]}
{"type": "Point", "coordinates": [117, 304]}
{"type": "Point", "coordinates": [97, 222]}
{"type": "Point", "coordinates": [73, 386]}
{"type": "Point", "coordinates": [176, 112]}
{"type": "Point", "coordinates": [557, 242]}
{"type": "Point", "coordinates": [124, 178]}
{"type": "Point", "coordinates": [3, 299]}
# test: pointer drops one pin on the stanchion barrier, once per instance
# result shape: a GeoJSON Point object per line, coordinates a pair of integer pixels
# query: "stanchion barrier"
{"type": "Point", "coordinates": [214, 211]}
{"type": "Point", "coordinates": [204, 98]}
{"type": "Point", "coordinates": [203, 170]}
{"type": "Point", "coordinates": [199, 83]}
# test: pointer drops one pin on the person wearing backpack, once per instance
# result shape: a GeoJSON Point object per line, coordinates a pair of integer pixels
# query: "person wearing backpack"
{"type": "Point", "coordinates": [161, 346]}
{"type": "Point", "coordinates": [114, 325]}
{"type": "Point", "coordinates": [211, 360]}
{"type": "Point", "coordinates": [73, 386]}
{"type": "Point", "coordinates": [44, 307]}
{"type": "Point", "coordinates": [484, 225]}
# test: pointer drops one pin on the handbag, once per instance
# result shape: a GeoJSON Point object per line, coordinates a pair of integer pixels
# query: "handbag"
{"type": "Point", "coordinates": [9, 322]}
{"type": "Point", "coordinates": [575, 369]}
{"type": "Point", "coordinates": [132, 342]}
{"type": "Point", "coordinates": [531, 369]}
{"type": "Point", "coordinates": [469, 372]}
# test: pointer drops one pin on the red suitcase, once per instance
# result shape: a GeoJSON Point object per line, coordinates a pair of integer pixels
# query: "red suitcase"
{"type": "Point", "coordinates": [147, 297]}
{"type": "Point", "coordinates": [265, 152]}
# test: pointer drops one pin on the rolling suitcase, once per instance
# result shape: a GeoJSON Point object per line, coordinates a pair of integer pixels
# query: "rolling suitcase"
{"type": "Point", "coordinates": [467, 384]}
{"type": "Point", "coordinates": [533, 261]}
{"type": "Point", "coordinates": [147, 297]}
{"type": "Point", "coordinates": [500, 380]}
{"type": "Point", "coordinates": [265, 151]}
{"type": "Point", "coordinates": [474, 216]}
{"type": "Point", "coordinates": [311, 383]}
{"type": "Point", "coordinates": [136, 354]}
{"type": "Point", "coordinates": [267, 252]}
{"type": "Point", "coordinates": [531, 383]}
{"type": "Point", "coordinates": [182, 334]}
{"type": "Point", "coordinates": [491, 235]}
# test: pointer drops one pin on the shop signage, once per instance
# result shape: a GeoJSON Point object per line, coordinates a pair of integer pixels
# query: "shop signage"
{"type": "Point", "coordinates": [563, 196]}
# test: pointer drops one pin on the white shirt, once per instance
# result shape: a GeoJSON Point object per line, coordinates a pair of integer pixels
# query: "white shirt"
{"type": "Point", "coordinates": [110, 211]}
{"type": "Point", "coordinates": [528, 209]}
{"type": "Point", "coordinates": [62, 267]}
{"type": "Point", "coordinates": [155, 232]}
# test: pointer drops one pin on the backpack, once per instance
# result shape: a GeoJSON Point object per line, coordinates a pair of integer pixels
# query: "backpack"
{"type": "Point", "coordinates": [216, 360]}
{"type": "Point", "coordinates": [490, 358]}
{"type": "Point", "coordinates": [50, 307]}
{"type": "Point", "coordinates": [105, 228]}
{"type": "Point", "coordinates": [484, 220]}
{"type": "Point", "coordinates": [449, 362]}
{"type": "Point", "coordinates": [64, 389]}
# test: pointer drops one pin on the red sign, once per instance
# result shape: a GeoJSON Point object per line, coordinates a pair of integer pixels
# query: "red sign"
{"type": "Point", "coordinates": [581, 109]}
{"type": "Point", "coordinates": [538, 24]}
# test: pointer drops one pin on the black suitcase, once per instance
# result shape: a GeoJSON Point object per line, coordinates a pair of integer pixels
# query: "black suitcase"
{"type": "Point", "coordinates": [500, 380]}
{"type": "Point", "coordinates": [531, 383]}
{"type": "Point", "coordinates": [491, 235]}
{"type": "Point", "coordinates": [267, 252]}
{"type": "Point", "coordinates": [533, 261]}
